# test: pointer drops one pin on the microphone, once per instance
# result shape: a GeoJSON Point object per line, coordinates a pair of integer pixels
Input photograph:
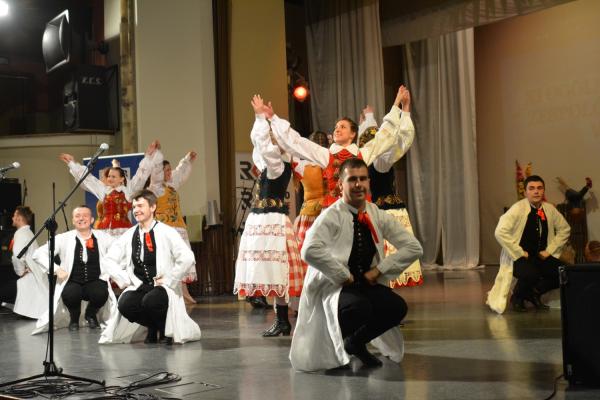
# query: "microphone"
{"type": "Point", "coordinates": [14, 165]}
{"type": "Point", "coordinates": [103, 147]}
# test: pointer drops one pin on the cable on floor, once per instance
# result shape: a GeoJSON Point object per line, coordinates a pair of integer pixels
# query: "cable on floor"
{"type": "Point", "coordinates": [58, 388]}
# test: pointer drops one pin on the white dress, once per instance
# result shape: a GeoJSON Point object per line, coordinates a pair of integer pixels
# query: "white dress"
{"type": "Point", "coordinates": [173, 259]}
{"type": "Point", "coordinates": [268, 261]}
{"type": "Point", "coordinates": [317, 343]}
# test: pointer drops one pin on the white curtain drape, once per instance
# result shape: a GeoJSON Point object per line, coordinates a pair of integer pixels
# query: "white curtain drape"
{"type": "Point", "coordinates": [345, 60]}
{"type": "Point", "coordinates": [442, 163]}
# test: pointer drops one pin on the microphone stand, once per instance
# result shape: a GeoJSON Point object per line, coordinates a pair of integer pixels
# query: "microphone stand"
{"type": "Point", "coordinates": [24, 191]}
{"type": "Point", "coordinates": [244, 210]}
{"type": "Point", "coordinates": [50, 368]}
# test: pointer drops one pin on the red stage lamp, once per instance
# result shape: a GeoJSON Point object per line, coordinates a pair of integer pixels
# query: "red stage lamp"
{"type": "Point", "coordinates": [300, 93]}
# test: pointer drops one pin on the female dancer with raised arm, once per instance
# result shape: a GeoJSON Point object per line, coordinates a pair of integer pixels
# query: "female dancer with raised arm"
{"type": "Point", "coordinates": [393, 135]}
{"type": "Point", "coordinates": [116, 193]}
{"type": "Point", "coordinates": [164, 183]}
{"type": "Point", "coordinates": [383, 193]}
{"type": "Point", "coordinates": [268, 261]}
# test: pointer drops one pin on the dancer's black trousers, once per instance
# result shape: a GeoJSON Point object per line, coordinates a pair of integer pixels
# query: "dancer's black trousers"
{"type": "Point", "coordinates": [365, 312]}
{"type": "Point", "coordinates": [94, 292]}
{"type": "Point", "coordinates": [535, 276]}
{"type": "Point", "coordinates": [147, 305]}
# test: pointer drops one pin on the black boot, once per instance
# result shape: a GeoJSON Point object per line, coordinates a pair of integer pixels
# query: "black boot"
{"type": "Point", "coordinates": [282, 325]}
{"type": "Point", "coordinates": [74, 314]}
{"type": "Point", "coordinates": [90, 317]}
{"type": "Point", "coordinates": [361, 352]}
{"type": "Point", "coordinates": [518, 304]}
{"type": "Point", "coordinates": [162, 339]}
{"type": "Point", "coordinates": [258, 302]}
{"type": "Point", "coordinates": [151, 337]}
{"type": "Point", "coordinates": [536, 300]}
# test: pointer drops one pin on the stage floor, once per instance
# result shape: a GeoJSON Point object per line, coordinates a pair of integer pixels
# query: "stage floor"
{"type": "Point", "coordinates": [455, 349]}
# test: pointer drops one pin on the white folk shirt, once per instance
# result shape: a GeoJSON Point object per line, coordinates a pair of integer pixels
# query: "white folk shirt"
{"type": "Point", "coordinates": [178, 175]}
{"type": "Point", "coordinates": [134, 184]}
{"type": "Point", "coordinates": [386, 161]}
{"type": "Point", "coordinates": [396, 132]}
{"type": "Point", "coordinates": [317, 343]}
{"type": "Point", "coordinates": [173, 259]}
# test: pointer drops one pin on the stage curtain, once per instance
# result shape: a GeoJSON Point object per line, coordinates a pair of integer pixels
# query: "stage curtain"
{"type": "Point", "coordinates": [226, 149]}
{"type": "Point", "coordinates": [453, 16]}
{"type": "Point", "coordinates": [344, 60]}
{"type": "Point", "coordinates": [442, 163]}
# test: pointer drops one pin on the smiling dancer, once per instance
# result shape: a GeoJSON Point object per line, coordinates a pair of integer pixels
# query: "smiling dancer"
{"type": "Point", "coordinates": [346, 302]}
{"type": "Point", "coordinates": [155, 259]}
{"type": "Point", "coordinates": [393, 135]}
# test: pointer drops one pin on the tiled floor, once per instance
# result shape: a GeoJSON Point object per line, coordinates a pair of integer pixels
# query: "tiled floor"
{"type": "Point", "coordinates": [455, 349]}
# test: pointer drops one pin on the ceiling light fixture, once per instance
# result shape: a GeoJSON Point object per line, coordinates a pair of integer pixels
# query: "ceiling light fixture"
{"type": "Point", "coordinates": [3, 8]}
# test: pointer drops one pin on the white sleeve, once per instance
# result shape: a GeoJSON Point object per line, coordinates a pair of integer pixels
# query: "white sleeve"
{"type": "Point", "coordinates": [90, 183]}
{"type": "Point", "coordinates": [386, 161]}
{"type": "Point", "coordinates": [20, 239]}
{"type": "Point", "coordinates": [136, 183]}
{"type": "Point", "coordinates": [397, 132]}
{"type": "Point", "coordinates": [505, 232]}
{"type": "Point", "coordinates": [114, 263]}
{"type": "Point", "coordinates": [41, 255]}
{"type": "Point", "coordinates": [181, 173]}
{"type": "Point", "coordinates": [316, 250]}
{"type": "Point", "coordinates": [183, 259]}
{"type": "Point", "coordinates": [157, 176]}
{"type": "Point", "coordinates": [266, 150]}
{"type": "Point", "coordinates": [296, 145]}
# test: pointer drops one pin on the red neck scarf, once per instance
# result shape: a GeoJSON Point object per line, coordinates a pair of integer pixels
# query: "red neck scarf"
{"type": "Point", "coordinates": [541, 214]}
{"type": "Point", "coordinates": [148, 240]}
{"type": "Point", "coordinates": [364, 218]}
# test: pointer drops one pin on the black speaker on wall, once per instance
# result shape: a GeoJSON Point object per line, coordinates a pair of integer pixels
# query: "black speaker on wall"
{"type": "Point", "coordinates": [90, 99]}
{"type": "Point", "coordinates": [10, 198]}
{"type": "Point", "coordinates": [580, 312]}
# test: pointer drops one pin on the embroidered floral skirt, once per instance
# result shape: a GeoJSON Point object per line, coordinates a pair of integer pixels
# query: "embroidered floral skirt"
{"type": "Point", "coordinates": [268, 262]}
{"type": "Point", "coordinates": [412, 276]}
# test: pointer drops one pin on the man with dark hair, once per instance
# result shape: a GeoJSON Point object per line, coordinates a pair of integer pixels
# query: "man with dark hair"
{"type": "Point", "coordinates": [155, 259]}
{"type": "Point", "coordinates": [346, 303]}
{"type": "Point", "coordinates": [532, 234]}
{"type": "Point", "coordinates": [29, 293]}
{"type": "Point", "coordinates": [81, 276]}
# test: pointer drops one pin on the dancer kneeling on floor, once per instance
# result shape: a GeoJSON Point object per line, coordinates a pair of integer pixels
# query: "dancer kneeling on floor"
{"type": "Point", "coordinates": [81, 275]}
{"type": "Point", "coordinates": [346, 302]}
{"type": "Point", "coordinates": [156, 259]}
{"type": "Point", "coordinates": [532, 234]}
